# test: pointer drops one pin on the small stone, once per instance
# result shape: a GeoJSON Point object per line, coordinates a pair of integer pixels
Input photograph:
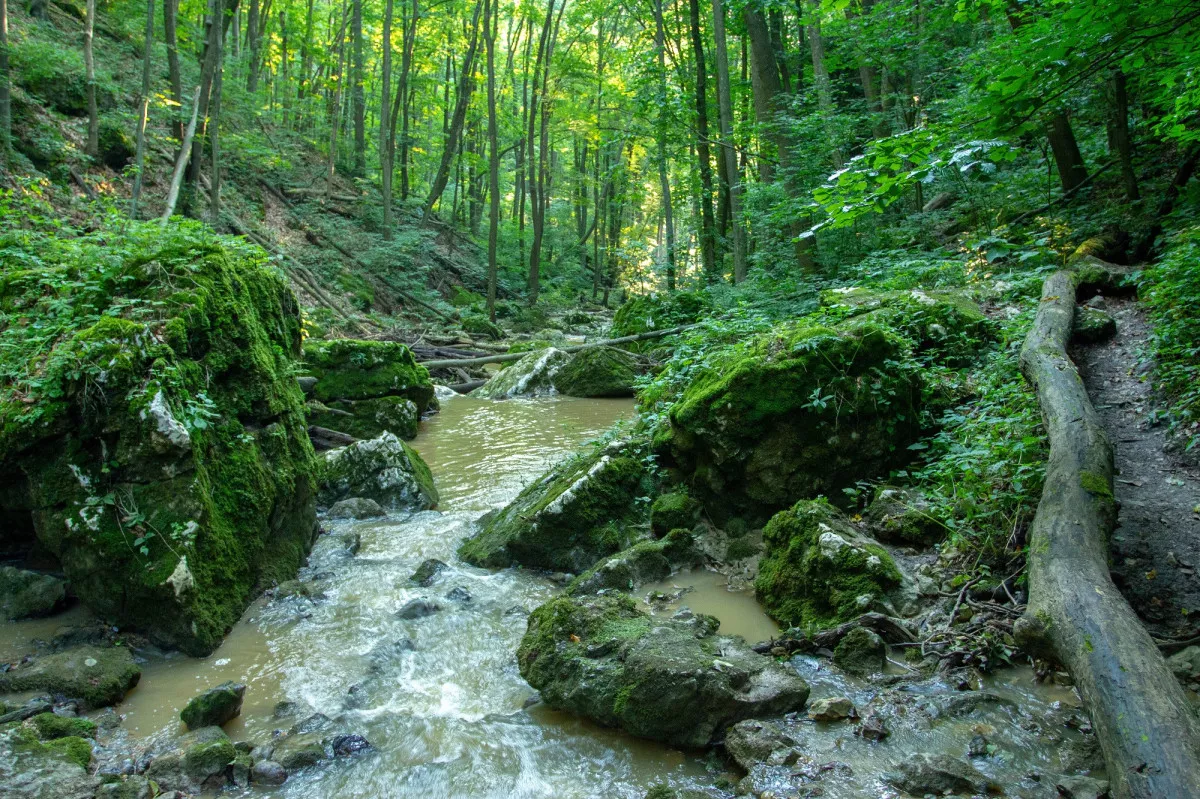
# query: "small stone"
{"type": "Point", "coordinates": [285, 709]}
{"type": "Point", "coordinates": [300, 750]}
{"type": "Point", "coordinates": [346, 745]}
{"type": "Point", "coordinates": [268, 772]}
{"type": "Point", "coordinates": [418, 609]}
{"type": "Point", "coordinates": [427, 573]}
{"type": "Point", "coordinates": [356, 508]}
{"type": "Point", "coordinates": [861, 652]}
{"type": "Point", "coordinates": [215, 707]}
{"type": "Point", "coordinates": [314, 723]}
{"type": "Point", "coordinates": [1076, 787]}
{"type": "Point", "coordinates": [26, 594]}
{"type": "Point", "coordinates": [459, 594]}
{"type": "Point", "coordinates": [978, 747]}
{"type": "Point", "coordinates": [922, 774]}
{"type": "Point", "coordinates": [832, 709]}
{"type": "Point", "coordinates": [874, 728]}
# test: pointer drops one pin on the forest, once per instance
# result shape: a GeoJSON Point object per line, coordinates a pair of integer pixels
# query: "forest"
{"type": "Point", "coordinates": [654, 399]}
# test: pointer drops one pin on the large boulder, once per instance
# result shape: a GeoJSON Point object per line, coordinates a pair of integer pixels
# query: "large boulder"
{"type": "Point", "coordinates": [598, 372]}
{"type": "Point", "coordinates": [97, 677]}
{"type": "Point", "coordinates": [383, 469]}
{"type": "Point", "coordinates": [818, 570]}
{"type": "Point", "coordinates": [33, 768]}
{"type": "Point", "coordinates": [25, 594]}
{"type": "Point", "coordinates": [214, 707]}
{"type": "Point", "coordinates": [802, 411]}
{"type": "Point", "coordinates": [603, 658]}
{"type": "Point", "coordinates": [154, 438]}
{"type": "Point", "coordinates": [903, 516]}
{"type": "Point", "coordinates": [567, 519]}
{"type": "Point", "coordinates": [365, 388]}
{"type": "Point", "coordinates": [644, 562]}
{"type": "Point", "coordinates": [530, 376]}
{"type": "Point", "coordinates": [650, 312]}
{"type": "Point", "coordinates": [196, 762]}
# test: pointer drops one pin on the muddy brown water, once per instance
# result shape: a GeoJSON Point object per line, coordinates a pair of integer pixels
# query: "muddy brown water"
{"type": "Point", "coordinates": [450, 715]}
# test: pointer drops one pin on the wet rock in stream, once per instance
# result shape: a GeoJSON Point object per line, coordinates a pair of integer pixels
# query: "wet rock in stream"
{"type": "Point", "coordinates": [418, 609]}
{"type": "Point", "coordinates": [356, 508]}
{"type": "Point", "coordinates": [97, 676]}
{"type": "Point", "coordinates": [427, 573]}
{"type": "Point", "coordinates": [214, 707]}
{"type": "Point", "coordinates": [921, 774]}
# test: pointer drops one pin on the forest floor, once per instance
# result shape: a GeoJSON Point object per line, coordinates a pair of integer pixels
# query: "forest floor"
{"type": "Point", "coordinates": [1155, 550]}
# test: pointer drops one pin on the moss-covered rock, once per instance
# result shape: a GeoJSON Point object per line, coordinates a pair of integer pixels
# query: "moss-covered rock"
{"type": "Point", "coordinates": [480, 325]}
{"type": "Point", "coordinates": [25, 594]}
{"type": "Point", "coordinates": [96, 676]}
{"type": "Point", "coordinates": [802, 411]}
{"type": "Point", "coordinates": [597, 372]}
{"type": "Point", "coordinates": [366, 388]}
{"type": "Point", "coordinates": [530, 376]}
{"type": "Point", "coordinates": [948, 324]}
{"type": "Point", "coordinates": [196, 762]}
{"type": "Point", "coordinates": [860, 652]}
{"type": "Point", "coordinates": [649, 312]}
{"type": "Point", "coordinates": [49, 727]}
{"type": "Point", "coordinates": [35, 769]}
{"type": "Point", "coordinates": [817, 570]}
{"type": "Point", "coordinates": [602, 658]}
{"type": "Point", "coordinates": [567, 519]}
{"type": "Point", "coordinates": [155, 425]}
{"type": "Point", "coordinates": [214, 707]}
{"type": "Point", "coordinates": [644, 562]}
{"type": "Point", "coordinates": [673, 510]}
{"type": "Point", "coordinates": [903, 516]}
{"type": "Point", "coordinates": [1092, 325]}
{"type": "Point", "coordinates": [383, 469]}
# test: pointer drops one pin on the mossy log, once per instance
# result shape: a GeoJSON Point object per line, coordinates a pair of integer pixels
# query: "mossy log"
{"type": "Point", "coordinates": [516, 356]}
{"type": "Point", "coordinates": [1076, 615]}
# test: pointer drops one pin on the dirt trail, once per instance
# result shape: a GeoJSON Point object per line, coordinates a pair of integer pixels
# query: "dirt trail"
{"type": "Point", "coordinates": [1155, 552]}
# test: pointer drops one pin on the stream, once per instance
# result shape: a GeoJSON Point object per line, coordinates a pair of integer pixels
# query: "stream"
{"type": "Point", "coordinates": [440, 697]}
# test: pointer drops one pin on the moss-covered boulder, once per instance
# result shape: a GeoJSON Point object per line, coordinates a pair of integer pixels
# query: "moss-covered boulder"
{"type": "Point", "coordinates": [860, 652]}
{"type": "Point", "coordinates": [33, 768]}
{"type": "Point", "coordinates": [670, 511]}
{"type": "Point", "coordinates": [1092, 325]}
{"type": "Point", "coordinates": [480, 325]}
{"type": "Point", "coordinates": [383, 469]}
{"type": "Point", "coordinates": [947, 324]}
{"type": "Point", "coordinates": [49, 727]}
{"type": "Point", "coordinates": [649, 312]}
{"type": "Point", "coordinates": [151, 429]}
{"type": "Point", "coordinates": [597, 372]}
{"type": "Point", "coordinates": [818, 570]}
{"type": "Point", "coordinates": [530, 376]}
{"type": "Point", "coordinates": [603, 658]}
{"type": "Point", "coordinates": [644, 562]}
{"type": "Point", "coordinates": [903, 516]}
{"type": "Point", "coordinates": [196, 762]}
{"type": "Point", "coordinates": [366, 388]}
{"type": "Point", "coordinates": [802, 411]}
{"type": "Point", "coordinates": [97, 677]}
{"type": "Point", "coordinates": [25, 594]}
{"type": "Point", "coordinates": [214, 707]}
{"type": "Point", "coordinates": [568, 518]}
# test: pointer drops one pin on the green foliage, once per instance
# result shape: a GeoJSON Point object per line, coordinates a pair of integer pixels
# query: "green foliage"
{"type": "Point", "coordinates": [1171, 290]}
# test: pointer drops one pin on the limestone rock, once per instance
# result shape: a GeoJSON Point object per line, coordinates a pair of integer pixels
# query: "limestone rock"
{"type": "Point", "coordinates": [196, 761]}
{"type": "Point", "coordinates": [671, 511]}
{"type": "Point", "coordinates": [427, 573]}
{"type": "Point", "coordinates": [903, 516]}
{"type": "Point", "coordinates": [30, 769]}
{"type": "Point", "coordinates": [649, 312]}
{"type": "Point", "coordinates": [601, 657]}
{"type": "Point", "coordinates": [861, 652]}
{"type": "Point", "coordinates": [753, 741]}
{"type": "Point", "coordinates": [1092, 325]}
{"type": "Point", "coordinates": [530, 376]}
{"type": "Point", "coordinates": [384, 470]}
{"type": "Point", "coordinates": [214, 707]}
{"type": "Point", "coordinates": [96, 676]}
{"type": "Point", "coordinates": [921, 774]}
{"type": "Point", "coordinates": [597, 372]}
{"type": "Point", "coordinates": [356, 508]}
{"type": "Point", "coordinates": [833, 708]}
{"type": "Point", "coordinates": [644, 562]}
{"type": "Point", "coordinates": [25, 594]}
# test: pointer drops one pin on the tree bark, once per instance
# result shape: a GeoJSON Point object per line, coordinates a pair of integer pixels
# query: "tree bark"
{"type": "Point", "coordinates": [1182, 175]}
{"type": "Point", "coordinates": [92, 147]}
{"type": "Point", "coordinates": [1118, 132]}
{"type": "Point", "coordinates": [139, 159]}
{"type": "Point", "coordinates": [664, 180]}
{"type": "Point", "coordinates": [385, 117]}
{"type": "Point", "coordinates": [732, 174]}
{"type": "Point", "coordinates": [252, 44]}
{"type": "Point", "coordinates": [403, 91]}
{"type": "Point", "coordinates": [708, 234]}
{"type": "Point", "coordinates": [182, 160]}
{"type": "Point", "coordinates": [1075, 614]}
{"type": "Point", "coordinates": [358, 98]}
{"type": "Point", "coordinates": [5, 87]}
{"type": "Point", "coordinates": [490, 21]}
{"type": "Point", "coordinates": [214, 137]}
{"type": "Point", "coordinates": [816, 46]}
{"type": "Point", "coordinates": [1071, 169]}
{"type": "Point", "coordinates": [765, 86]}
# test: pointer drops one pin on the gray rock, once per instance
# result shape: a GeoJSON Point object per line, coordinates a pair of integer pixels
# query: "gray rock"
{"type": "Point", "coordinates": [383, 469]}
{"type": "Point", "coordinates": [133, 786]}
{"type": "Point", "coordinates": [215, 707]}
{"type": "Point", "coordinates": [459, 594]}
{"type": "Point", "coordinates": [32, 771]}
{"type": "Point", "coordinates": [346, 745]}
{"type": "Point", "coordinates": [96, 676]}
{"type": "Point", "coordinates": [833, 708]}
{"type": "Point", "coordinates": [427, 573]}
{"type": "Point", "coordinates": [1185, 664]}
{"type": "Point", "coordinates": [356, 508]}
{"type": "Point", "coordinates": [753, 741]}
{"type": "Point", "coordinates": [300, 750]}
{"type": "Point", "coordinates": [25, 594]}
{"type": "Point", "coordinates": [860, 652]}
{"type": "Point", "coordinates": [922, 773]}
{"type": "Point", "coordinates": [197, 762]}
{"type": "Point", "coordinates": [418, 609]}
{"type": "Point", "coordinates": [267, 772]}
{"type": "Point", "coordinates": [1076, 787]}
{"type": "Point", "coordinates": [316, 722]}
{"type": "Point", "coordinates": [531, 375]}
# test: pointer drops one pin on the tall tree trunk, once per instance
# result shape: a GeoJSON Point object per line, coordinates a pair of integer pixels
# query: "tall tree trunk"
{"type": "Point", "coordinates": [284, 86]}
{"type": "Point", "coordinates": [466, 85]}
{"type": "Point", "coordinates": [663, 177]}
{"type": "Point", "coordinates": [207, 71]}
{"type": "Point", "coordinates": [170, 38]}
{"type": "Point", "coordinates": [1071, 169]}
{"type": "Point", "coordinates": [406, 57]}
{"type": "Point", "coordinates": [335, 110]}
{"type": "Point", "coordinates": [92, 147]}
{"type": "Point", "coordinates": [5, 87]}
{"type": "Point", "coordinates": [385, 118]}
{"type": "Point", "coordinates": [253, 33]}
{"type": "Point", "coordinates": [490, 21]}
{"type": "Point", "coordinates": [538, 164]}
{"type": "Point", "coordinates": [139, 160]}
{"type": "Point", "coordinates": [358, 98]}
{"type": "Point", "coordinates": [305, 61]}
{"type": "Point", "coordinates": [733, 176]}
{"type": "Point", "coordinates": [214, 138]}
{"type": "Point", "coordinates": [708, 236]}
{"type": "Point", "coordinates": [1118, 132]}
{"type": "Point", "coordinates": [765, 86]}
{"type": "Point", "coordinates": [816, 46]}
{"type": "Point", "coordinates": [182, 160]}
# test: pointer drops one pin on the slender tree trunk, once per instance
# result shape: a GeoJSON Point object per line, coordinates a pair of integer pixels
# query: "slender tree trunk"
{"type": "Point", "coordinates": [1071, 169]}
{"type": "Point", "coordinates": [406, 57]}
{"type": "Point", "coordinates": [466, 85]}
{"type": "Point", "coordinates": [252, 44]}
{"type": "Point", "coordinates": [765, 86]}
{"type": "Point", "coordinates": [182, 160]}
{"type": "Point", "coordinates": [725, 107]}
{"type": "Point", "coordinates": [1118, 132]}
{"type": "Point", "coordinates": [284, 86]}
{"type": "Point", "coordinates": [816, 46]}
{"type": "Point", "coordinates": [539, 159]}
{"type": "Point", "coordinates": [305, 62]}
{"type": "Point", "coordinates": [490, 22]}
{"type": "Point", "coordinates": [663, 177]}
{"type": "Point", "coordinates": [385, 116]}
{"type": "Point", "coordinates": [335, 111]}
{"type": "Point", "coordinates": [358, 98]}
{"type": "Point", "coordinates": [93, 128]}
{"type": "Point", "coordinates": [5, 87]}
{"type": "Point", "coordinates": [708, 237]}
{"type": "Point", "coordinates": [208, 70]}
{"type": "Point", "coordinates": [214, 138]}
{"type": "Point", "coordinates": [139, 161]}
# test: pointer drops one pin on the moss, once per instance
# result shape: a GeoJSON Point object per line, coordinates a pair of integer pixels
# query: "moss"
{"type": "Point", "coordinates": [464, 298]}
{"type": "Point", "coordinates": [96, 676]}
{"type": "Point", "coordinates": [567, 519]}
{"type": "Point", "coordinates": [350, 369]}
{"type": "Point", "coordinates": [358, 288]}
{"type": "Point", "coordinates": [598, 372]}
{"type": "Point", "coordinates": [368, 418]}
{"type": "Point", "coordinates": [1096, 484]}
{"type": "Point", "coordinates": [801, 411]}
{"type": "Point", "coordinates": [49, 727]}
{"type": "Point", "coordinates": [181, 474]}
{"type": "Point", "coordinates": [673, 510]}
{"type": "Point", "coordinates": [1091, 326]}
{"type": "Point", "coordinates": [649, 312]}
{"type": "Point", "coordinates": [741, 548]}
{"type": "Point", "coordinates": [73, 749]}
{"type": "Point", "coordinates": [480, 325]}
{"type": "Point", "coordinates": [818, 571]}
{"type": "Point", "coordinates": [644, 562]}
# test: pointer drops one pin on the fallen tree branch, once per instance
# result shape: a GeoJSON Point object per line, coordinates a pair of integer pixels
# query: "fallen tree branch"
{"type": "Point", "coordinates": [323, 438]}
{"type": "Point", "coordinates": [516, 356]}
{"type": "Point", "coordinates": [181, 162]}
{"type": "Point", "coordinates": [1076, 616]}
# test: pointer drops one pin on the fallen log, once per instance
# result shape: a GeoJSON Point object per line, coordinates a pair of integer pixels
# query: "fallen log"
{"type": "Point", "coordinates": [1076, 616]}
{"type": "Point", "coordinates": [323, 438]}
{"type": "Point", "coordinates": [516, 356]}
{"type": "Point", "coordinates": [468, 387]}
{"type": "Point", "coordinates": [889, 628]}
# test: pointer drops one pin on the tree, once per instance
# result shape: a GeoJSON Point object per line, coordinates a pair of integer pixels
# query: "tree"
{"type": "Point", "coordinates": [708, 233]}
{"type": "Point", "coordinates": [144, 104]}
{"type": "Point", "coordinates": [357, 89]}
{"type": "Point", "coordinates": [663, 178]}
{"type": "Point", "coordinates": [5, 87]}
{"type": "Point", "coordinates": [732, 177]}
{"type": "Point", "coordinates": [490, 21]}
{"type": "Point", "coordinates": [385, 115]}
{"type": "Point", "coordinates": [92, 147]}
